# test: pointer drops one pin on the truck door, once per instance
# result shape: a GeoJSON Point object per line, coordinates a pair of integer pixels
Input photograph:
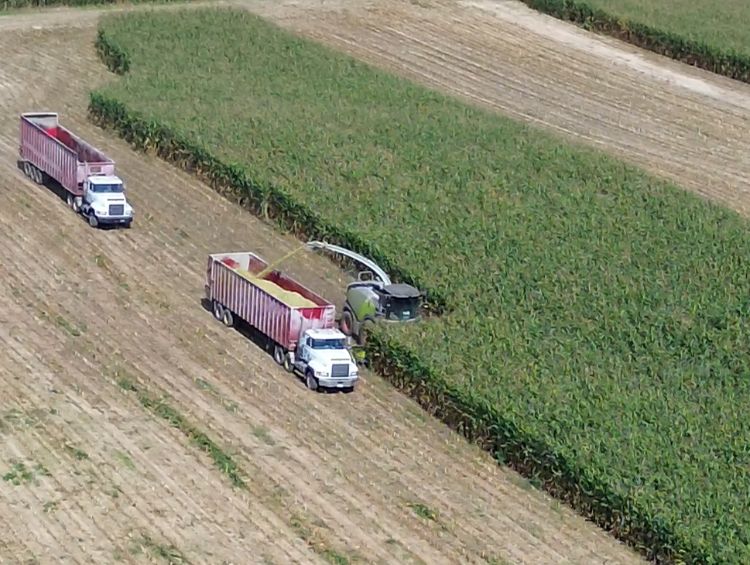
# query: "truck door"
{"type": "Point", "coordinates": [305, 355]}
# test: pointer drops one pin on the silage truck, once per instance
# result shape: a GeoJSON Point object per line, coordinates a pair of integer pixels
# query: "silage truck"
{"type": "Point", "coordinates": [297, 324]}
{"type": "Point", "coordinates": [86, 174]}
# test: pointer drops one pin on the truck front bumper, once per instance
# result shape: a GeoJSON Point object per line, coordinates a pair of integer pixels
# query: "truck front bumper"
{"type": "Point", "coordinates": [337, 382]}
{"type": "Point", "coordinates": [112, 220]}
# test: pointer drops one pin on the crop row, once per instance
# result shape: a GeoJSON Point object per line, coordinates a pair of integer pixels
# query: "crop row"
{"type": "Point", "coordinates": [16, 4]}
{"type": "Point", "coordinates": [679, 46]}
{"type": "Point", "coordinates": [593, 329]}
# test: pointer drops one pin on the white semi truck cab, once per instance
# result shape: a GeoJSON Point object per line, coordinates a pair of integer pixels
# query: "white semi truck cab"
{"type": "Point", "coordinates": [323, 357]}
{"type": "Point", "coordinates": [104, 202]}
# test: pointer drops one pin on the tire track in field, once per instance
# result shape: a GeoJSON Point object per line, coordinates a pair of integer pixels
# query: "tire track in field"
{"type": "Point", "coordinates": [159, 323]}
{"type": "Point", "coordinates": [169, 481]}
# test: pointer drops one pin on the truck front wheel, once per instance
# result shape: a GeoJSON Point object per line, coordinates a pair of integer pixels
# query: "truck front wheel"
{"type": "Point", "coordinates": [310, 380]}
{"type": "Point", "coordinates": [93, 222]}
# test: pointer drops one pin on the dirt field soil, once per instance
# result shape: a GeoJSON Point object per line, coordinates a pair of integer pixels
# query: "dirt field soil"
{"type": "Point", "coordinates": [91, 475]}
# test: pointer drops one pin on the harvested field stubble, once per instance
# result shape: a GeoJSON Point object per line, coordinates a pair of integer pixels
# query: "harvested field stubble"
{"type": "Point", "coordinates": [594, 336]}
{"type": "Point", "coordinates": [703, 33]}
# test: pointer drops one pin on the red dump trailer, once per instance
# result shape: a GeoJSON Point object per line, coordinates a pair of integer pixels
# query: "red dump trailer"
{"type": "Point", "coordinates": [298, 323]}
{"type": "Point", "coordinates": [86, 174]}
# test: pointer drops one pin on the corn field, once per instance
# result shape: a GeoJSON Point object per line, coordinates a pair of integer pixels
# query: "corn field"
{"type": "Point", "coordinates": [593, 321]}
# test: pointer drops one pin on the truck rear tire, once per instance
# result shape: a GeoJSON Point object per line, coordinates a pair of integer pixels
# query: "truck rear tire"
{"type": "Point", "coordinates": [278, 354]}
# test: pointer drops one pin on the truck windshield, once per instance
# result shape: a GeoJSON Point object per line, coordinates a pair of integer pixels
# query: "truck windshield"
{"type": "Point", "coordinates": [333, 343]}
{"type": "Point", "coordinates": [105, 188]}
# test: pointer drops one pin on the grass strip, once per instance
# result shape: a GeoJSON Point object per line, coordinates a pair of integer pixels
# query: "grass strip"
{"type": "Point", "coordinates": [158, 406]}
{"type": "Point", "coordinates": [226, 465]}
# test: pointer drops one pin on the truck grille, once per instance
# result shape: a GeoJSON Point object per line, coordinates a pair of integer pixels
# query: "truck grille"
{"type": "Point", "coordinates": [116, 209]}
{"type": "Point", "coordinates": [341, 370]}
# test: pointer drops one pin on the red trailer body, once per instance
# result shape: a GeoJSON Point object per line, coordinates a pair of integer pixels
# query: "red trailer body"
{"type": "Point", "coordinates": [58, 152]}
{"type": "Point", "coordinates": [281, 322]}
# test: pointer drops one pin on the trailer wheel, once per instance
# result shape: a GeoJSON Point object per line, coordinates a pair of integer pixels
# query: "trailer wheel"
{"type": "Point", "coordinates": [218, 311]}
{"type": "Point", "coordinates": [227, 318]}
{"type": "Point", "coordinates": [27, 169]}
{"type": "Point", "coordinates": [70, 201]}
{"type": "Point", "coordinates": [38, 176]}
{"type": "Point", "coordinates": [310, 381]}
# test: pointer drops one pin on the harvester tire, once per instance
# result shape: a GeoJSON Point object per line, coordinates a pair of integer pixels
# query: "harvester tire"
{"type": "Point", "coordinates": [364, 328]}
{"type": "Point", "coordinates": [346, 323]}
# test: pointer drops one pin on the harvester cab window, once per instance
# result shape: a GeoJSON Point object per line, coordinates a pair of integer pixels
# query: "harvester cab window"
{"type": "Point", "coordinates": [401, 308]}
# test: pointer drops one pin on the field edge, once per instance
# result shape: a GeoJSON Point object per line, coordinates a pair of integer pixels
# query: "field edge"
{"type": "Point", "coordinates": [14, 6]}
{"type": "Point", "coordinates": [472, 417]}
{"type": "Point", "coordinates": [719, 61]}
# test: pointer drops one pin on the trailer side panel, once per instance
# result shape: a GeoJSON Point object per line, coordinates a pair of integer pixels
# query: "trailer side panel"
{"type": "Point", "coordinates": [61, 154]}
{"type": "Point", "coordinates": [271, 316]}
{"type": "Point", "coordinates": [47, 155]}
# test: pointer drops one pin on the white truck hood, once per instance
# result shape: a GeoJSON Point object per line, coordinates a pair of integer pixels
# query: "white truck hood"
{"type": "Point", "coordinates": [331, 356]}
